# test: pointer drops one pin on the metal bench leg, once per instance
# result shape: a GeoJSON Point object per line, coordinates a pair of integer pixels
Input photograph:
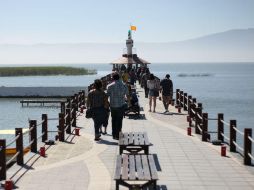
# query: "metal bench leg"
{"type": "Point", "coordinates": [117, 185]}
{"type": "Point", "coordinates": [146, 150]}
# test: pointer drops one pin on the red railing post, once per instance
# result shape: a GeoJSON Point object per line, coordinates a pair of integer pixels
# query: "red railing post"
{"type": "Point", "coordinates": [232, 137]}
{"type": "Point", "coordinates": [2, 159]}
{"type": "Point", "coordinates": [44, 127]}
{"type": "Point", "coordinates": [204, 127]}
{"type": "Point", "coordinates": [247, 146]}
{"type": "Point", "coordinates": [61, 132]}
{"type": "Point", "coordinates": [33, 135]}
{"type": "Point", "coordinates": [220, 127]}
{"type": "Point", "coordinates": [19, 146]}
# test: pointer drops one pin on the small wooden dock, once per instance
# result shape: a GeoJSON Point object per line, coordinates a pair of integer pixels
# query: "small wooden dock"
{"type": "Point", "coordinates": [40, 102]}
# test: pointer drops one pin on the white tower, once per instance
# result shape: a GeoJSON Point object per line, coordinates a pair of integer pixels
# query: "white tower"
{"type": "Point", "coordinates": [129, 43]}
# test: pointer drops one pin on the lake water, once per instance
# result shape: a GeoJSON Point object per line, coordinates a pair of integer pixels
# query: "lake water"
{"type": "Point", "coordinates": [228, 89]}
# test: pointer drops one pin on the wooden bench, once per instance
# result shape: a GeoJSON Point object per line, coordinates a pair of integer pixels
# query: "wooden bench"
{"type": "Point", "coordinates": [138, 168]}
{"type": "Point", "coordinates": [134, 142]}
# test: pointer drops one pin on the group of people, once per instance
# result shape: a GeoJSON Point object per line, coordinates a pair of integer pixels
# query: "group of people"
{"type": "Point", "coordinates": [117, 94]}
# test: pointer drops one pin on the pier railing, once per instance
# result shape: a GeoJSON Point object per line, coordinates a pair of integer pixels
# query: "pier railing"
{"type": "Point", "coordinates": [67, 118]}
{"type": "Point", "coordinates": [200, 120]}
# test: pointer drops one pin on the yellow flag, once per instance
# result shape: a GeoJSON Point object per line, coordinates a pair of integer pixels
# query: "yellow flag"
{"type": "Point", "coordinates": [133, 28]}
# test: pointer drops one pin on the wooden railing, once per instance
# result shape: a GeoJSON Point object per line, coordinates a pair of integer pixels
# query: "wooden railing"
{"type": "Point", "coordinates": [199, 121]}
{"type": "Point", "coordinates": [70, 110]}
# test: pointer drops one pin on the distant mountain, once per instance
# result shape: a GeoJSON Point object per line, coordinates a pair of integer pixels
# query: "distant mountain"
{"type": "Point", "coordinates": [230, 46]}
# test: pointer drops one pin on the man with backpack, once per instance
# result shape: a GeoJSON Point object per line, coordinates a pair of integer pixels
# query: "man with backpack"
{"type": "Point", "coordinates": [167, 91]}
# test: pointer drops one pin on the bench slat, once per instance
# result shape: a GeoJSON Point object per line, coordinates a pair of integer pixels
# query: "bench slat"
{"type": "Point", "coordinates": [126, 138]}
{"type": "Point", "coordinates": [146, 139]}
{"type": "Point", "coordinates": [131, 138]}
{"type": "Point", "coordinates": [147, 175]}
{"type": "Point", "coordinates": [132, 174]}
{"type": "Point", "coordinates": [141, 139]}
{"type": "Point", "coordinates": [118, 167]}
{"type": "Point", "coordinates": [136, 141]}
{"type": "Point", "coordinates": [121, 138]}
{"type": "Point", "coordinates": [125, 167]}
{"type": "Point", "coordinates": [153, 169]}
{"type": "Point", "coordinates": [140, 173]}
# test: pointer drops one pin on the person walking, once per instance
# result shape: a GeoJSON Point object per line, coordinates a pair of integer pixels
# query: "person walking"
{"type": "Point", "coordinates": [96, 100]}
{"type": "Point", "coordinates": [144, 79]}
{"type": "Point", "coordinates": [153, 87]}
{"type": "Point", "coordinates": [117, 92]}
{"type": "Point", "coordinates": [167, 91]}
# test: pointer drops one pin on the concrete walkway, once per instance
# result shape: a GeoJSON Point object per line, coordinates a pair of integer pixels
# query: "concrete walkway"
{"type": "Point", "coordinates": [184, 162]}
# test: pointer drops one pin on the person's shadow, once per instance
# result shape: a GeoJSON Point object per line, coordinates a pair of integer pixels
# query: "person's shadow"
{"type": "Point", "coordinates": [103, 141]}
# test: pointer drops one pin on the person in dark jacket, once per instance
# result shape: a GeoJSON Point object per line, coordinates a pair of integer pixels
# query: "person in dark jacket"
{"type": "Point", "coordinates": [167, 91]}
{"type": "Point", "coordinates": [96, 101]}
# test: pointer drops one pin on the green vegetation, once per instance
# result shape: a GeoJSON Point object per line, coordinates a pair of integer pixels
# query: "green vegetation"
{"type": "Point", "coordinates": [43, 71]}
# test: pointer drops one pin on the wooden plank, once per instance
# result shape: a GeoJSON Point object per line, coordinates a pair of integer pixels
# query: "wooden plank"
{"type": "Point", "coordinates": [139, 168]}
{"type": "Point", "coordinates": [146, 169]}
{"type": "Point", "coordinates": [136, 140]}
{"type": "Point", "coordinates": [118, 167]}
{"type": "Point", "coordinates": [132, 173]}
{"type": "Point", "coordinates": [146, 139]}
{"type": "Point", "coordinates": [131, 138]}
{"type": "Point", "coordinates": [153, 169]}
{"type": "Point", "coordinates": [125, 167]}
{"type": "Point", "coordinates": [141, 138]}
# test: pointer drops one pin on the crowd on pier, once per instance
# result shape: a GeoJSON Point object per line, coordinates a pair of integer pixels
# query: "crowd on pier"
{"type": "Point", "coordinates": [115, 94]}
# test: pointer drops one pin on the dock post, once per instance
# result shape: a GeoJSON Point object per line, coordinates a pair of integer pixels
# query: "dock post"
{"type": "Point", "coordinates": [197, 120]}
{"type": "Point", "coordinates": [247, 146]}
{"type": "Point", "coordinates": [73, 116]}
{"type": "Point", "coordinates": [220, 127]}
{"type": "Point", "coordinates": [19, 146]}
{"type": "Point", "coordinates": [61, 132]}
{"type": "Point", "coordinates": [44, 127]}
{"type": "Point", "coordinates": [33, 135]}
{"type": "Point", "coordinates": [204, 126]}
{"type": "Point", "coordinates": [189, 104]}
{"type": "Point", "coordinates": [80, 99]}
{"type": "Point", "coordinates": [83, 98]}
{"type": "Point", "coordinates": [68, 120]}
{"type": "Point", "coordinates": [68, 103]}
{"type": "Point", "coordinates": [232, 138]}
{"type": "Point", "coordinates": [185, 102]}
{"type": "Point", "coordinates": [177, 97]}
{"type": "Point", "coordinates": [181, 99]}
{"type": "Point", "coordinates": [63, 107]}
{"type": "Point", "coordinates": [2, 159]}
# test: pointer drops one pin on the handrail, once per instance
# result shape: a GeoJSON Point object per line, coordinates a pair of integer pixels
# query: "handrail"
{"type": "Point", "coordinates": [199, 128]}
{"type": "Point", "coordinates": [199, 116]}
{"type": "Point", "coordinates": [225, 122]}
{"type": "Point", "coordinates": [13, 141]}
{"type": "Point", "coordinates": [193, 111]}
{"type": "Point", "coordinates": [52, 118]}
{"type": "Point", "coordinates": [237, 130]}
{"type": "Point", "coordinates": [30, 129]}
{"type": "Point", "coordinates": [250, 156]}
{"type": "Point", "coordinates": [41, 135]}
{"type": "Point", "coordinates": [12, 158]}
{"type": "Point", "coordinates": [41, 122]}
{"type": "Point", "coordinates": [237, 145]}
{"type": "Point", "coordinates": [251, 139]}
{"type": "Point", "coordinates": [225, 136]}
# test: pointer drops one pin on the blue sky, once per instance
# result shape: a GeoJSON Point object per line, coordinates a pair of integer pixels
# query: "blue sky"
{"type": "Point", "coordinates": [76, 21]}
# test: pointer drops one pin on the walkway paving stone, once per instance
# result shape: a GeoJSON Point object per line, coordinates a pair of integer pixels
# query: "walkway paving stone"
{"type": "Point", "coordinates": [184, 162]}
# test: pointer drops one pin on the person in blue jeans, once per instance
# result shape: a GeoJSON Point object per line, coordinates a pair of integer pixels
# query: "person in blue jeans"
{"type": "Point", "coordinates": [117, 92]}
{"type": "Point", "coordinates": [96, 101]}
